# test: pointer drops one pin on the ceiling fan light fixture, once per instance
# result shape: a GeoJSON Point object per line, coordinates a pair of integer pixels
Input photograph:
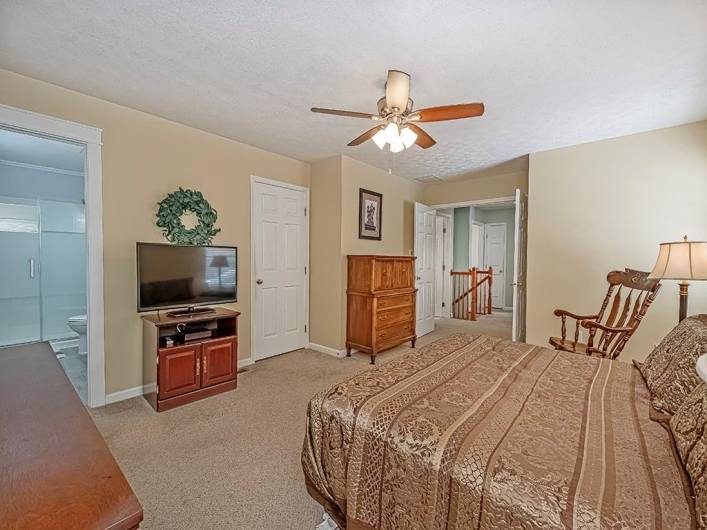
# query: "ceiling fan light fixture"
{"type": "Point", "coordinates": [408, 137]}
{"type": "Point", "coordinates": [379, 139]}
{"type": "Point", "coordinates": [397, 146]}
{"type": "Point", "coordinates": [397, 90]}
{"type": "Point", "coordinates": [396, 123]}
{"type": "Point", "coordinates": [391, 133]}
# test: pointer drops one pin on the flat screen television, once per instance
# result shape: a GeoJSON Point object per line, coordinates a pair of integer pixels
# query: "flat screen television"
{"type": "Point", "coordinates": [177, 276]}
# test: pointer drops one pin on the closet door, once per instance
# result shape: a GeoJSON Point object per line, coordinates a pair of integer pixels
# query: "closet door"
{"type": "Point", "coordinates": [279, 259]}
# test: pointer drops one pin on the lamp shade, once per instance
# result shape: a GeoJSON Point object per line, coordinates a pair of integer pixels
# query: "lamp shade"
{"type": "Point", "coordinates": [681, 260]}
{"type": "Point", "coordinates": [219, 261]}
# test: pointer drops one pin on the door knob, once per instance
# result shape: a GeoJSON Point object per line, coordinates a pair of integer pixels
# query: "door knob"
{"type": "Point", "coordinates": [418, 277]}
{"type": "Point", "coordinates": [259, 281]}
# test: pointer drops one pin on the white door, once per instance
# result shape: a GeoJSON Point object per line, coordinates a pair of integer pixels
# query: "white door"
{"type": "Point", "coordinates": [520, 268]}
{"type": "Point", "coordinates": [279, 274]}
{"type": "Point", "coordinates": [476, 245]}
{"type": "Point", "coordinates": [495, 257]}
{"type": "Point", "coordinates": [443, 283]}
{"type": "Point", "coordinates": [424, 268]}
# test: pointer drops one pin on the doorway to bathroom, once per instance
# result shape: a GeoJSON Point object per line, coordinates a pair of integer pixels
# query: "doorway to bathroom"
{"type": "Point", "coordinates": [43, 294]}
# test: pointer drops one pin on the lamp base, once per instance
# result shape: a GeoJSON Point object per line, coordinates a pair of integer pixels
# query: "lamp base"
{"type": "Point", "coordinates": [683, 300]}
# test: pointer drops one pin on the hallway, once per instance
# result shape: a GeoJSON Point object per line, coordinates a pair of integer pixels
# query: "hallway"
{"type": "Point", "coordinates": [497, 324]}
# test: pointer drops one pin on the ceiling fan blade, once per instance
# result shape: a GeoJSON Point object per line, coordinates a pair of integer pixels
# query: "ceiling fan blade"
{"type": "Point", "coordinates": [448, 112]}
{"type": "Point", "coordinates": [424, 140]}
{"type": "Point", "coordinates": [365, 136]}
{"type": "Point", "coordinates": [347, 113]}
{"type": "Point", "coordinates": [397, 90]}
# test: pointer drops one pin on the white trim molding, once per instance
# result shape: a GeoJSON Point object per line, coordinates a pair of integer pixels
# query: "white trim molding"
{"type": "Point", "coordinates": [326, 349]}
{"type": "Point", "coordinates": [46, 169]}
{"type": "Point", "coordinates": [479, 202]}
{"type": "Point", "coordinates": [242, 363]}
{"type": "Point", "coordinates": [129, 393]}
{"type": "Point", "coordinates": [29, 121]}
{"type": "Point", "coordinates": [33, 123]}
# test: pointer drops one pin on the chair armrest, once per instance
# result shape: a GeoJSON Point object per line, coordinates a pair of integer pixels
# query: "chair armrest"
{"type": "Point", "coordinates": [592, 324]}
{"type": "Point", "coordinates": [562, 312]}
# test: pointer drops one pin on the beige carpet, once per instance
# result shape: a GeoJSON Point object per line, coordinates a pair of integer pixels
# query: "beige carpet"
{"type": "Point", "coordinates": [232, 461]}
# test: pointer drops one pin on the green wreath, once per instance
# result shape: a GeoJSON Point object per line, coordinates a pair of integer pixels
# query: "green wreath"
{"type": "Point", "coordinates": [174, 206]}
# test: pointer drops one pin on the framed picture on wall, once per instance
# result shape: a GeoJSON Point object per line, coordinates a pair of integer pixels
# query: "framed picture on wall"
{"type": "Point", "coordinates": [370, 214]}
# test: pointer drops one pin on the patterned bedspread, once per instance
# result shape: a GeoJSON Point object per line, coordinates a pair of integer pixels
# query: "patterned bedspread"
{"type": "Point", "coordinates": [474, 432]}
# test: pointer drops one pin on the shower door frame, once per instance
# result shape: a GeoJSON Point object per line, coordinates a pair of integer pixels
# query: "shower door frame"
{"type": "Point", "coordinates": [33, 123]}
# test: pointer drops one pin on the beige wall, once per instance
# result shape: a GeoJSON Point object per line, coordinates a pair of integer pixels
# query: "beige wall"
{"type": "Point", "coordinates": [335, 185]}
{"type": "Point", "coordinates": [144, 158]}
{"type": "Point", "coordinates": [476, 188]}
{"type": "Point", "coordinates": [399, 197]}
{"type": "Point", "coordinates": [606, 205]}
{"type": "Point", "coordinates": [325, 287]}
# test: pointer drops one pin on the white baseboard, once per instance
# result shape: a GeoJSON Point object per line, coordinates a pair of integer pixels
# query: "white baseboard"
{"type": "Point", "coordinates": [128, 393]}
{"type": "Point", "coordinates": [242, 363]}
{"type": "Point", "coordinates": [136, 391]}
{"type": "Point", "coordinates": [326, 349]}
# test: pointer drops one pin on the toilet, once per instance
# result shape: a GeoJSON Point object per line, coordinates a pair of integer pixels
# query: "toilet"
{"type": "Point", "coordinates": [78, 324]}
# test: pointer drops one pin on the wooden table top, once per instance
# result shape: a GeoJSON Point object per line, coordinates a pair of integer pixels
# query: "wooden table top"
{"type": "Point", "coordinates": [56, 471]}
{"type": "Point", "coordinates": [163, 319]}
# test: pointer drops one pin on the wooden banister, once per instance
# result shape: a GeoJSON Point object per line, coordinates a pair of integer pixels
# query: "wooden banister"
{"type": "Point", "coordinates": [472, 292]}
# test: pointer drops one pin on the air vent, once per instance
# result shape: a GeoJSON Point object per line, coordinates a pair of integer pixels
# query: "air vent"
{"type": "Point", "coordinates": [428, 179]}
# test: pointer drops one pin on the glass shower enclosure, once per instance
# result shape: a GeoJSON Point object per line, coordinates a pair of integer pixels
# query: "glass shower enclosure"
{"type": "Point", "coordinates": [42, 269]}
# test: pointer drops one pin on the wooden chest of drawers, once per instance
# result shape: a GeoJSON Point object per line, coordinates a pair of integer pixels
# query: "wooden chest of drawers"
{"type": "Point", "coordinates": [380, 303]}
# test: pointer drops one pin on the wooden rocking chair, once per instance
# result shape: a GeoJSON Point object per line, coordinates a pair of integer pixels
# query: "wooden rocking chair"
{"type": "Point", "coordinates": [620, 324]}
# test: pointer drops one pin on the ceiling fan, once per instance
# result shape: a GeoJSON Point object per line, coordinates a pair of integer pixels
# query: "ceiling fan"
{"type": "Point", "coordinates": [398, 121]}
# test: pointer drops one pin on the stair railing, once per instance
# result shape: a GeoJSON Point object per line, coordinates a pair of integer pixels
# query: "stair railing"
{"type": "Point", "coordinates": [471, 293]}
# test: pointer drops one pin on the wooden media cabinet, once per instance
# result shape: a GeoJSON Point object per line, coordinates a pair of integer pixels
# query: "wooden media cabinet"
{"type": "Point", "coordinates": [189, 369]}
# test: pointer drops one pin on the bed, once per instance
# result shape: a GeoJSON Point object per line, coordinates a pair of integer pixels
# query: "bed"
{"type": "Point", "coordinates": [475, 432]}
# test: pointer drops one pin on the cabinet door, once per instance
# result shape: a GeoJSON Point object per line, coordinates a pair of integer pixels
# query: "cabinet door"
{"type": "Point", "coordinates": [179, 370]}
{"type": "Point", "coordinates": [218, 361]}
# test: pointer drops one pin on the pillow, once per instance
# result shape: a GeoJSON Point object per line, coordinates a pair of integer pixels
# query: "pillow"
{"type": "Point", "coordinates": [669, 370]}
{"type": "Point", "coordinates": [688, 428]}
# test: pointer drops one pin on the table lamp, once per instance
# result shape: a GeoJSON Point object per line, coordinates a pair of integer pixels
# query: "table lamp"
{"type": "Point", "coordinates": [220, 262]}
{"type": "Point", "coordinates": [681, 260]}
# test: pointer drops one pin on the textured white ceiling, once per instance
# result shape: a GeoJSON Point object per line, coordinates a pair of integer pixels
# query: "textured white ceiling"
{"type": "Point", "coordinates": [551, 73]}
{"type": "Point", "coordinates": [38, 151]}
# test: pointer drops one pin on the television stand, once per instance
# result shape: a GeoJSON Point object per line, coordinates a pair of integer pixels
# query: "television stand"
{"type": "Point", "coordinates": [191, 311]}
{"type": "Point", "coordinates": [176, 370]}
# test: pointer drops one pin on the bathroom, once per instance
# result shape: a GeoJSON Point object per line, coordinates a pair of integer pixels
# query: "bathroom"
{"type": "Point", "coordinates": [43, 248]}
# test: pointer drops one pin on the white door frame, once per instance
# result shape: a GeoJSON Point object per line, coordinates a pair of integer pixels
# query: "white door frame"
{"type": "Point", "coordinates": [262, 180]}
{"type": "Point", "coordinates": [448, 261]}
{"type": "Point", "coordinates": [505, 265]}
{"type": "Point", "coordinates": [482, 228]}
{"type": "Point", "coordinates": [520, 265]}
{"type": "Point", "coordinates": [510, 200]}
{"type": "Point", "coordinates": [31, 122]}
